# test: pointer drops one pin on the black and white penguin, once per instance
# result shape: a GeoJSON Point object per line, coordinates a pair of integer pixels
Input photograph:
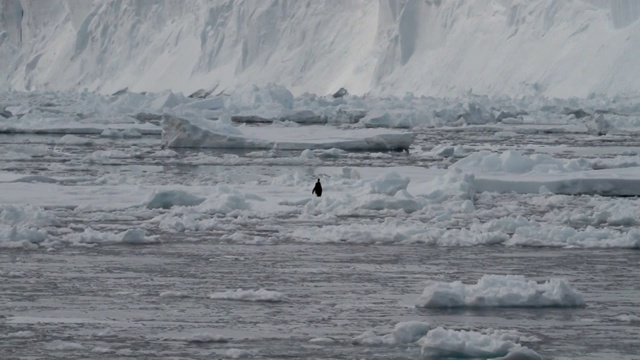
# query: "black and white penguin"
{"type": "Point", "coordinates": [317, 189]}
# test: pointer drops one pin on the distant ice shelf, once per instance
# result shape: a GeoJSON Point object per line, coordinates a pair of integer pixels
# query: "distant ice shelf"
{"type": "Point", "coordinates": [199, 133]}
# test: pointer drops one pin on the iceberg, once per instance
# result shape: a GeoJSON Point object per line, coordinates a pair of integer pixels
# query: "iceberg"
{"type": "Point", "coordinates": [201, 133]}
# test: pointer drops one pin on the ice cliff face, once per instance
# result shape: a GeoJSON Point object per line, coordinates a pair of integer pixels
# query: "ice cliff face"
{"type": "Point", "coordinates": [429, 47]}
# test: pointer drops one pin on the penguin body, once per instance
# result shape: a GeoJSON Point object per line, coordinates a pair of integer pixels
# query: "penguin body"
{"type": "Point", "coordinates": [317, 189]}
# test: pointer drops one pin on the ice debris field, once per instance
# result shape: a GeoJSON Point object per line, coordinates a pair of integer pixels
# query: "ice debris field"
{"type": "Point", "coordinates": [479, 160]}
{"type": "Point", "coordinates": [160, 175]}
{"type": "Point", "coordinates": [435, 196]}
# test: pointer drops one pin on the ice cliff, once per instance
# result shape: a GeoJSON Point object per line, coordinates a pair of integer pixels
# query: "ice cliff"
{"type": "Point", "coordinates": [428, 47]}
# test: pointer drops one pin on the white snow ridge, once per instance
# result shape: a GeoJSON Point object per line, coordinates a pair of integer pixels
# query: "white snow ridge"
{"type": "Point", "coordinates": [500, 291]}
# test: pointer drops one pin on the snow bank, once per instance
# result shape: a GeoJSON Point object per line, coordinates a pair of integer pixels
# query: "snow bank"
{"type": "Point", "coordinates": [180, 132]}
{"type": "Point", "coordinates": [260, 295]}
{"type": "Point", "coordinates": [500, 291]}
{"type": "Point", "coordinates": [443, 343]}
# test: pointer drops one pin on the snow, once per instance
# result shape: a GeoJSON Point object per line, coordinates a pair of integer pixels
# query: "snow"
{"type": "Point", "coordinates": [573, 48]}
{"type": "Point", "coordinates": [259, 295]}
{"type": "Point", "coordinates": [500, 291]}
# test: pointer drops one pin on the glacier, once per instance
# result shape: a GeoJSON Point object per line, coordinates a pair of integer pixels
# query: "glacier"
{"type": "Point", "coordinates": [573, 48]}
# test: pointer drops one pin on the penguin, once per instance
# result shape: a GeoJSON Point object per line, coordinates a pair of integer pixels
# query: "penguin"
{"type": "Point", "coordinates": [317, 189]}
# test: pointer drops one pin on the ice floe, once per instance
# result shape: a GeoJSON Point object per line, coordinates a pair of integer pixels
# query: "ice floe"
{"type": "Point", "coordinates": [198, 133]}
{"type": "Point", "coordinates": [447, 343]}
{"type": "Point", "coordinates": [260, 295]}
{"type": "Point", "coordinates": [438, 342]}
{"type": "Point", "coordinates": [91, 236]}
{"type": "Point", "coordinates": [512, 171]}
{"type": "Point", "coordinates": [60, 345]}
{"type": "Point", "coordinates": [500, 291]}
{"type": "Point", "coordinates": [169, 198]}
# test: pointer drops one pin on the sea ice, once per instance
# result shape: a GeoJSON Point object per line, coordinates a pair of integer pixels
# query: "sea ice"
{"type": "Point", "coordinates": [237, 354]}
{"type": "Point", "coordinates": [500, 291]}
{"type": "Point", "coordinates": [511, 171]}
{"type": "Point", "coordinates": [19, 335]}
{"type": "Point", "coordinates": [444, 343]}
{"type": "Point", "coordinates": [168, 198]}
{"type": "Point", "coordinates": [59, 345]}
{"type": "Point", "coordinates": [249, 295]}
{"type": "Point", "coordinates": [198, 133]}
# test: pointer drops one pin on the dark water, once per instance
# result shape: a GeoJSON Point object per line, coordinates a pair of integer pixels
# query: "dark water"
{"type": "Point", "coordinates": [109, 297]}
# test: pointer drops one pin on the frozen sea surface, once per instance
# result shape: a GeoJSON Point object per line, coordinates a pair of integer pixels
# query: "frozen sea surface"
{"type": "Point", "coordinates": [300, 278]}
